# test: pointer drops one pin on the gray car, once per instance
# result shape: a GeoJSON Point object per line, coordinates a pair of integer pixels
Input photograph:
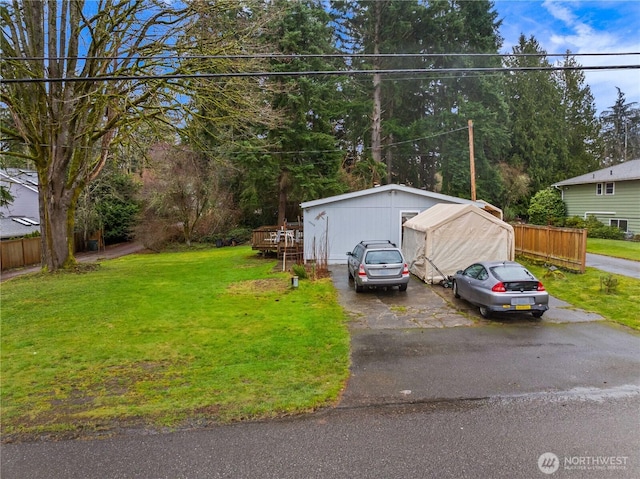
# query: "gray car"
{"type": "Point", "coordinates": [377, 263]}
{"type": "Point", "coordinates": [501, 286]}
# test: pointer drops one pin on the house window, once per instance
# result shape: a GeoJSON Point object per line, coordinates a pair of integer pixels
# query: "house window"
{"type": "Point", "coordinates": [605, 188]}
{"type": "Point", "coordinates": [620, 224]}
{"type": "Point", "coordinates": [608, 188]}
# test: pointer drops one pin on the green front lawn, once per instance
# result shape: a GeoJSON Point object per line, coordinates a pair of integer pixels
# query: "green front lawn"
{"type": "Point", "coordinates": [158, 339]}
{"type": "Point", "coordinates": [587, 291]}
{"type": "Point", "coordinates": [619, 249]}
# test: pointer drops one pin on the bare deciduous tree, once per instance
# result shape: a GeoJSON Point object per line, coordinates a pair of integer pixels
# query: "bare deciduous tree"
{"type": "Point", "coordinates": [80, 77]}
{"type": "Point", "coordinates": [184, 190]}
{"type": "Point", "coordinates": [97, 59]}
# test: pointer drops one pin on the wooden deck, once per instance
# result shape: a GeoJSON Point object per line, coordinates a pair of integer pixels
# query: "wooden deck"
{"type": "Point", "coordinates": [280, 241]}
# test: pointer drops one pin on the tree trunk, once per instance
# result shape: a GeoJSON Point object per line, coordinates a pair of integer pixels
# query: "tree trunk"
{"type": "Point", "coordinates": [283, 189]}
{"type": "Point", "coordinates": [376, 120]}
{"type": "Point", "coordinates": [389, 160]}
{"type": "Point", "coordinates": [57, 211]}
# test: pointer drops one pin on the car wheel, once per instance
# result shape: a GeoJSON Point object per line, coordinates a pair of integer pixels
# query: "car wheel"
{"type": "Point", "coordinates": [402, 287]}
{"type": "Point", "coordinates": [485, 312]}
{"type": "Point", "coordinates": [537, 314]}
{"type": "Point", "coordinates": [358, 288]}
{"type": "Point", "coordinates": [455, 290]}
{"type": "Point", "coordinates": [350, 275]}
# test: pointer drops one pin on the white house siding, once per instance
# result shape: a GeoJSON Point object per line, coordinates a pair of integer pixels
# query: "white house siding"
{"type": "Point", "coordinates": [25, 195]}
{"type": "Point", "coordinates": [335, 225]}
{"type": "Point", "coordinates": [624, 204]}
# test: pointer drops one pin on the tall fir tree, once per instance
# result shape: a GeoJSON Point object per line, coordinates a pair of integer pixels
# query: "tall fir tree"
{"type": "Point", "coordinates": [621, 131]}
{"type": "Point", "coordinates": [584, 147]}
{"type": "Point", "coordinates": [303, 160]}
{"type": "Point", "coordinates": [475, 97]}
{"type": "Point", "coordinates": [538, 131]}
{"type": "Point", "coordinates": [423, 117]}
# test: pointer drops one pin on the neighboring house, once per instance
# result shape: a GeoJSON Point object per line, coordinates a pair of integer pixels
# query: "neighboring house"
{"type": "Point", "coordinates": [334, 225]}
{"type": "Point", "coordinates": [22, 216]}
{"type": "Point", "coordinates": [611, 194]}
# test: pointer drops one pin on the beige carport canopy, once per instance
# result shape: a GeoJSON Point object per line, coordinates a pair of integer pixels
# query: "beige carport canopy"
{"type": "Point", "coordinates": [454, 236]}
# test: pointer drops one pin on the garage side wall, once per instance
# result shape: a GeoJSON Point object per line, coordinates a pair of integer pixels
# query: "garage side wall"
{"type": "Point", "coordinates": [336, 227]}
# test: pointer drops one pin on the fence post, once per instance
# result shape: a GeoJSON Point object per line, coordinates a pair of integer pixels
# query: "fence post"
{"type": "Point", "coordinates": [583, 249]}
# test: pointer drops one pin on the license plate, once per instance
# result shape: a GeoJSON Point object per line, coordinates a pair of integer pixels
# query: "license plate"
{"type": "Point", "coordinates": [521, 301]}
{"type": "Point", "coordinates": [384, 272]}
{"type": "Point", "coordinates": [523, 306]}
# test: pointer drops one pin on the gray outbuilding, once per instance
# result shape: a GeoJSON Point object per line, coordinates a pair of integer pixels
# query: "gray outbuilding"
{"type": "Point", "coordinates": [334, 225]}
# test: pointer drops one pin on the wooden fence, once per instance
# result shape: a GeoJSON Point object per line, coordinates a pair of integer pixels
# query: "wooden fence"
{"type": "Point", "coordinates": [19, 252]}
{"type": "Point", "coordinates": [563, 247]}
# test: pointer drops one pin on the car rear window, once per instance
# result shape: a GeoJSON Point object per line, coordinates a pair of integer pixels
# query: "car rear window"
{"type": "Point", "coordinates": [508, 273]}
{"type": "Point", "coordinates": [383, 257]}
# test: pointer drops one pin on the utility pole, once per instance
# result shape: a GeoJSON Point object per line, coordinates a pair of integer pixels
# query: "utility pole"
{"type": "Point", "coordinates": [472, 162]}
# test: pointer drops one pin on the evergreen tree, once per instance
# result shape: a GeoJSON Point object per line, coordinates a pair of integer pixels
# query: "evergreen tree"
{"type": "Point", "coordinates": [303, 161]}
{"type": "Point", "coordinates": [621, 131]}
{"type": "Point", "coordinates": [418, 114]}
{"type": "Point", "coordinates": [474, 29]}
{"type": "Point", "coordinates": [538, 145]}
{"type": "Point", "coordinates": [582, 126]}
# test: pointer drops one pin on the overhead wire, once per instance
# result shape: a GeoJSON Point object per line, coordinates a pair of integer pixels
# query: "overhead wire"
{"type": "Point", "coordinates": [300, 152]}
{"type": "Point", "coordinates": [264, 74]}
{"type": "Point", "coordinates": [253, 56]}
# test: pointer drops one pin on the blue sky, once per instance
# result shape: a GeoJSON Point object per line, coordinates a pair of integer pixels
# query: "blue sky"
{"type": "Point", "coordinates": [583, 27]}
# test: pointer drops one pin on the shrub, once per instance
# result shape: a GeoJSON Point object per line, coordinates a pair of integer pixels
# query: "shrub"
{"type": "Point", "coordinates": [300, 271]}
{"type": "Point", "coordinates": [596, 229]}
{"type": "Point", "coordinates": [606, 232]}
{"type": "Point", "coordinates": [575, 222]}
{"type": "Point", "coordinates": [547, 208]}
{"type": "Point", "coordinates": [240, 235]}
{"type": "Point", "coordinates": [608, 284]}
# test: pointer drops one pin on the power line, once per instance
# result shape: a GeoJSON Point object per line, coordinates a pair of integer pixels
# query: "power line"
{"type": "Point", "coordinates": [187, 76]}
{"type": "Point", "coordinates": [258, 151]}
{"type": "Point", "coordinates": [258, 56]}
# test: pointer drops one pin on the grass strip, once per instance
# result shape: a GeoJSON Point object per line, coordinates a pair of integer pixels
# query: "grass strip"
{"type": "Point", "coordinates": [592, 292]}
{"type": "Point", "coordinates": [616, 248]}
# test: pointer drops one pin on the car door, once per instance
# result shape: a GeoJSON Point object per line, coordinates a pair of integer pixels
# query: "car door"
{"type": "Point", "coordinates": [353, 260]}
{"type": "Point", "coordinates": [478, 289]}
{"type": "Point", "coordinates": [467, 288]}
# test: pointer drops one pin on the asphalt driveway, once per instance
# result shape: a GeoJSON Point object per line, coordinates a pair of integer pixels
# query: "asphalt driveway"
{"type": "Point", "coordinates": [432, 306]}
{"type": "Point", "coordinates": [424, 345]}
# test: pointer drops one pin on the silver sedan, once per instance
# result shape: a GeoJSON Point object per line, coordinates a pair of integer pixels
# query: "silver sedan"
{"type": "Point", "coordinates": [501, 286]}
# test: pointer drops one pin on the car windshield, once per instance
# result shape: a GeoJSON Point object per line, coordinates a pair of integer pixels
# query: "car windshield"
{"type": "Point", "coordinates": [508, 273]}
{"type": "Point", "coordinates": [383, 257]}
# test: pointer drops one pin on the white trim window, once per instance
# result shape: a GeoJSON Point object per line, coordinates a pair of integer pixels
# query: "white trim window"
{"type": "Point", "coordinates": [622, 225]}
{"type": "Point", "coordinates": [608, 188]}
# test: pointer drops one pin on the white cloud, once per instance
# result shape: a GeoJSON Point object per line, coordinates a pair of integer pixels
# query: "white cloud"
{"type": "Point", "coordinates": [583, 27]}
{"type": "Point", "coordinates": [580, 36]}
{"type": "Point", "coordinates": [559, 11]}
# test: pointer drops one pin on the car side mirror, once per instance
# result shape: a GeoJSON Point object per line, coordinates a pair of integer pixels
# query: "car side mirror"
{"type": "Point", "coordinates": [349, 253]}
{"type": "Point", "coordinates": [459, 272]}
